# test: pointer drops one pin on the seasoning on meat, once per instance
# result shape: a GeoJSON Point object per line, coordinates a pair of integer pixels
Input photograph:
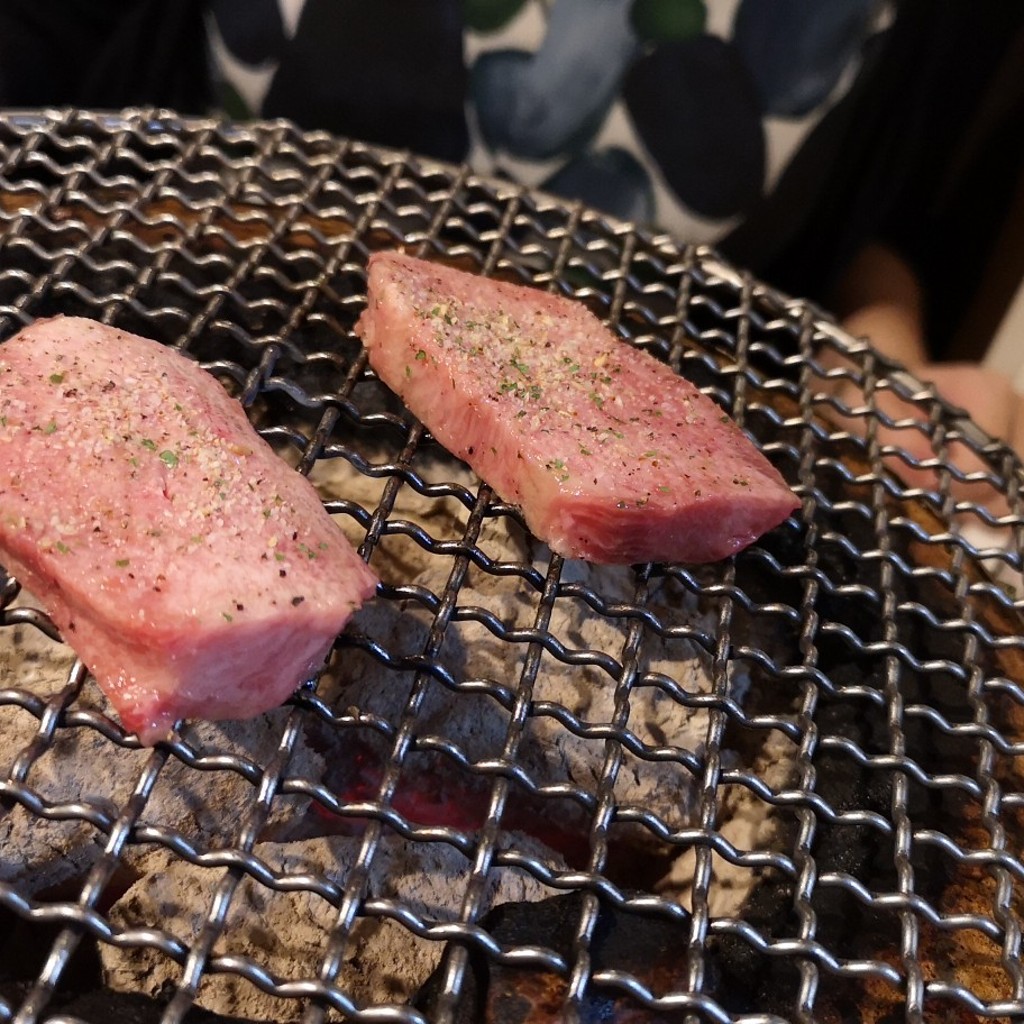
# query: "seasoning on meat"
{"type": "Point", "coordinates": [193, 571]}
{"type": "Point", "coordinates": [611, 455]}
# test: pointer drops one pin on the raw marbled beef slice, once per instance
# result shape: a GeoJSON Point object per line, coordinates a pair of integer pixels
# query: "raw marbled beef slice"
{"type": "Point", "coordinates": [611, 455]}
{"type": "Point", "coordinates": [193, 571]}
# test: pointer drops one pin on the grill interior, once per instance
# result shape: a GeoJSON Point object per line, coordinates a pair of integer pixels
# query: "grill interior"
{"type": "Point", "coordinates": [771, 789]}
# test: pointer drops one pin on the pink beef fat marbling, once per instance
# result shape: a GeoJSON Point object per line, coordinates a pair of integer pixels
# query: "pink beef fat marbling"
{"type": "Point", "coordinates": [193, 571]}
{"type": "Point", "coordinates": [611, 455]}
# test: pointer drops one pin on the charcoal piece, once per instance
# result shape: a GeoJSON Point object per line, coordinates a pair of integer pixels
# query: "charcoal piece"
{"type": "Point", "coordinates": [109, 1007]}
{"type": "Point", "coordinates": [24, 947]}
{"type": "Point", "coordinates": [131, 1008]}
{"type": "Point", "coordinates": [286, 931]}
{"type": "Point", "coordinates": [650, 947]}
{"type": "Point", "coordinates": [550, 752]}
{"type": "Point", "coordinates": [747, 822]}
{"type": "Point", "coordinates": [80, 765]}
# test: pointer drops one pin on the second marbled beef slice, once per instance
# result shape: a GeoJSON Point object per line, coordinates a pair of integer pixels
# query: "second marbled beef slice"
{"type": "Point", "coordinates": [611, 455]}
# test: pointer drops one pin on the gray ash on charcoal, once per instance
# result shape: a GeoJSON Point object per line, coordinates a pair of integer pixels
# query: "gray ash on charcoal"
{"type": "Point", "coordinates": [81, 764]}
{"type": "Point", "coordinates": [850, 709]}
{"type": "Point", "coordinates": [467, 685]}
{"type": "Point", "coordinates": [284, 929]}
{"type": "Point", "coordinates": [738, 978]}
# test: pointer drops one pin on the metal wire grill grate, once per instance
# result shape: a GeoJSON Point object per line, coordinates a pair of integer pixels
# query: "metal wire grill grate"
{"type": "Point", "coordinates": [773, 789]}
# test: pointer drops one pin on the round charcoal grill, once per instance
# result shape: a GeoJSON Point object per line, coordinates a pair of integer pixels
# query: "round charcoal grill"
{"type": "Point", "coordinates": [785, 787]}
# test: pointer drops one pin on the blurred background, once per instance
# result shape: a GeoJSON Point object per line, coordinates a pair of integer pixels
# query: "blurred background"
{"type": "Point", "coordinates": [866, 154]}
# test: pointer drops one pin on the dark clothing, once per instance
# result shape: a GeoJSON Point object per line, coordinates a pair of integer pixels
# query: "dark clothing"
{"type": "Point", "coordinates": [941, 115]}
{"type": "Point", "coordinates": [104, 54]}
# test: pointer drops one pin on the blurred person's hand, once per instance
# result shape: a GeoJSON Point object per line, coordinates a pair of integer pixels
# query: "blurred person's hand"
{"type": "Point", "coordinates": [879, 299]}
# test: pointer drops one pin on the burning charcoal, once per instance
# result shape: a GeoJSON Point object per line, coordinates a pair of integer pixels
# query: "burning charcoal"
{"type": "Point", "coordinates": [552, 749]}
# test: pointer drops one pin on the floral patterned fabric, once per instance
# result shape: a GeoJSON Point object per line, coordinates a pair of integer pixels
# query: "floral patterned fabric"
{"type": "Point", "coordinates": [681, 114]}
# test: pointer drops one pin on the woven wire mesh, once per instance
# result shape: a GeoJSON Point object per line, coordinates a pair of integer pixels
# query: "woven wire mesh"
{"type": "Point", "coordinates": [772, 789]}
